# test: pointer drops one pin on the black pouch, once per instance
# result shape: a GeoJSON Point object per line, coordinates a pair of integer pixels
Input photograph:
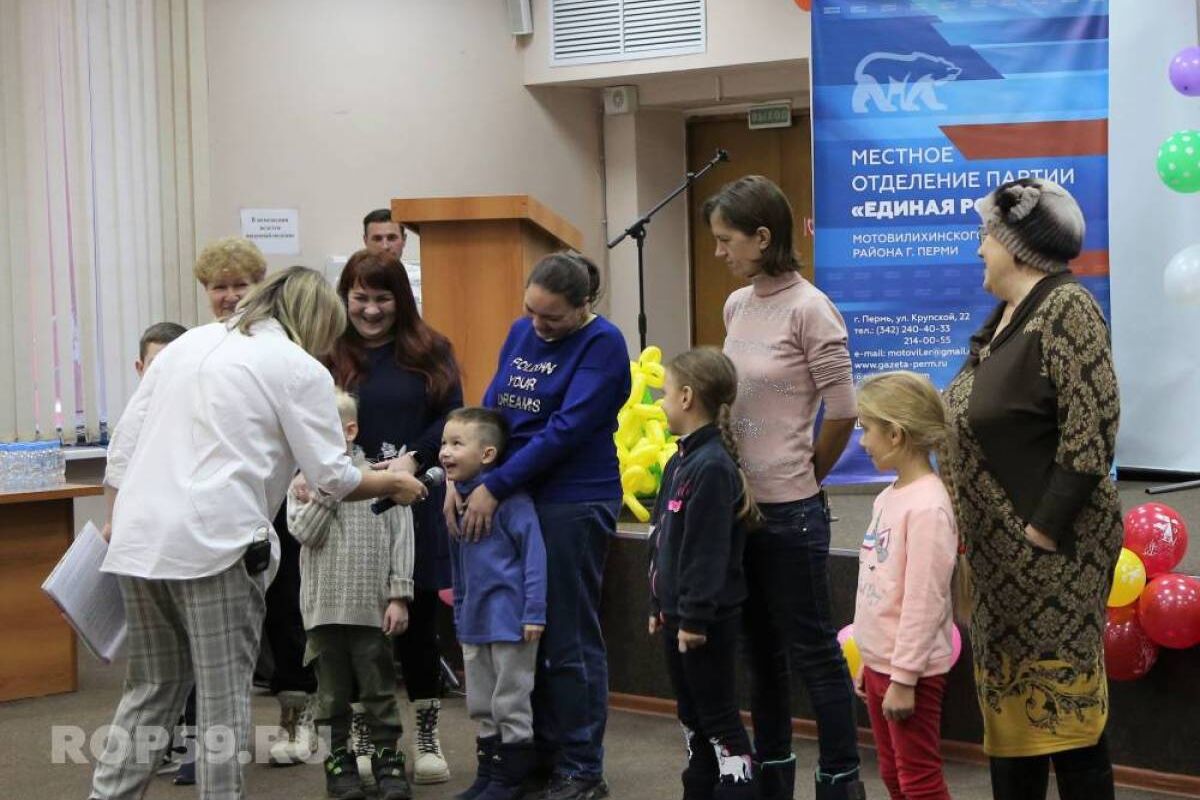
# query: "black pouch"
{"type": "Point", "coordinates": [258, 556]}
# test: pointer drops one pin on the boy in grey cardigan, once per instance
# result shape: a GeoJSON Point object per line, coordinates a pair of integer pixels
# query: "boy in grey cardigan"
{"type": "Point", "coordinates": [355, 584]}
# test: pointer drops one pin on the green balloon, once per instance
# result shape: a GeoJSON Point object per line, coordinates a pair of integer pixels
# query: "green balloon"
{"type": "Point", "coordinates": [647, 398]}
{"type": "Point", "coordinates": [1179, 161]}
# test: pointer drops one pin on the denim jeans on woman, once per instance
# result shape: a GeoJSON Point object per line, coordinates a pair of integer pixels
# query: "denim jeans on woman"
{"type": "Point", "coordinates": [789, 630]}
{"type": "Point", "coordinates": [570, 695]}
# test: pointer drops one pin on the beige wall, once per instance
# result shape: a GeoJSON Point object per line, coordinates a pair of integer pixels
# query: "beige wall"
{"type": "Point", "coordinates": [336, 107]}
{"type": "Point", "coordinates": [738, 32]}
{"type": "Point", "coordinates": [645, 160]}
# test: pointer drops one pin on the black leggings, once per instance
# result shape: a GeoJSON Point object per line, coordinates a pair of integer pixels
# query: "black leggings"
{"type": "Point", "coordinates": [283, 626]}
{"type": "Point", "coordinates": [417, 648]}
{"type": "Point", "coordinates": [1084, 773]}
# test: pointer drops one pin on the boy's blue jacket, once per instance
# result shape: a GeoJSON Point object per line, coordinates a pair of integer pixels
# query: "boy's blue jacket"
{"type": "Point", "coordinates": [500, 581]}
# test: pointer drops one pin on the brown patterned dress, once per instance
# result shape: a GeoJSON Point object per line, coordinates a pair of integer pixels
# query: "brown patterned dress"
{"type": "Point", "coordinates": [1035, 411]}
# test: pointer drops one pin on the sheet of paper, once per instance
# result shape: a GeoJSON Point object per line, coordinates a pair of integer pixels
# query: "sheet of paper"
{"type": "Point", "coordinates": [89, 599]}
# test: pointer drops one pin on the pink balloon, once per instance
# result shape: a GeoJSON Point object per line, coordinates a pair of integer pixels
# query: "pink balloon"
{"type": "Point", "coordinates": [845, 633]}
{"type": "Point", "coordinates": [446, 596]}
{"type": "Point", "coordinates": [955, 644]}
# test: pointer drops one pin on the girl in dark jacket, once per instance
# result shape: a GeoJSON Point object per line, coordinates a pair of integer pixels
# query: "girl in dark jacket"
{"type": "Point", "coordinates": [696, 578]}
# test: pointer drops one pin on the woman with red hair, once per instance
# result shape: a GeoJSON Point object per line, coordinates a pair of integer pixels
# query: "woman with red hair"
{"type": "Point", "coordinates": [406, 379]}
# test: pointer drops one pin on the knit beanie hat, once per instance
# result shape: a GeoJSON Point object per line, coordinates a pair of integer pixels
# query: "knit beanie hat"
{"type": "Point", "coordinates": [1036, 220]}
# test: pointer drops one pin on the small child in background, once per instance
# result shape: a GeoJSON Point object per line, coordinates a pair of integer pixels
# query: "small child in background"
{"type": "Point", "coordinates": [903, 614]}
{"type": "Point", "coordinates": [153, 340]}
{"type": "Point", "coordinates": [355, 584]}
{"type": "Point", "coordinates": [697, 584]}
{"type": "Point", "coordinates": [499, 609]}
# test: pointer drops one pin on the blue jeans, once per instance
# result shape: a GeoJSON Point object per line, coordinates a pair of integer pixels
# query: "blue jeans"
{"type": "Point", "coordinates": [788, 627]}
{"type": "Point", "coordinates": [570, 696]}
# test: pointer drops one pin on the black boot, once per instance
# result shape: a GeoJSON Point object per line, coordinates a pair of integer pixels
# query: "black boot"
{"type": "Point", "coordinates": [735, 774]}
{"type": "Point", "coordinates": [388, 767]}
{"type": "Point", "coordinates": [845, 786]}
{"type": "Point", "coordinates": [485, 752]}
{"type": "Point", "coordinates": [700, 777]}
{"type": "Point", "coordinates": [510, 766]}
{"type": "Point", "coordinates": [777, 779]}
{"type": "Point", "coordinates": [341, 776]}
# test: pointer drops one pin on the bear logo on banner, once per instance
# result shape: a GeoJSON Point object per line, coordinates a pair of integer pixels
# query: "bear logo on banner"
{"type": "Point", "coordinates": [886, 79]}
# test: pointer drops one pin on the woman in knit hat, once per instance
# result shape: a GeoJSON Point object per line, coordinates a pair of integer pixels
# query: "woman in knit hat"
{"type": "Point", "coordinates": [1036, 408]}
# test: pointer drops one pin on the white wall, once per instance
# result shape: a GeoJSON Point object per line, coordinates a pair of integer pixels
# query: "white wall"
{"type": "Point", "coordinates": [738, 32]}
{"type": "Point", "coordinates": [334, 108]}
{"type": "Point", "coordinates": [1154, 340]}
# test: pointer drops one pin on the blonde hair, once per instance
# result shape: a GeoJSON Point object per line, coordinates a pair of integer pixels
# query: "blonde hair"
{"type": "Point", "coordinates": [347, 406]}
{"type": "Point", "coordinates": [713, 381]}
{"type": "Point", "coordinates": [303, 302]}
{"type": "Point", "coordinates": [909, 403]}
{"type": "Point", "coordinates": [232, 256]}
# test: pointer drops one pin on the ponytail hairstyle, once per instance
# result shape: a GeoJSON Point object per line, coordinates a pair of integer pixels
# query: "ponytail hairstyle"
{"type": "Point", "coordinates": [909, 403]}
{"type": "Point", "coordinates": [713, 381]}
{"type": "Point", "coordinates": [572, 275]}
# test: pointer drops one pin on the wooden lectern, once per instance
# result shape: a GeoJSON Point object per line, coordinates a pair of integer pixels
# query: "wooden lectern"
{"type": "Point", "coordinates": [475, 255]}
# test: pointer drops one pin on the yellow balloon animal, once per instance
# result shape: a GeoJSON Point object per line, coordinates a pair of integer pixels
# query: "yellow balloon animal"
{"type": "Point", "coordinates": [644, 444]}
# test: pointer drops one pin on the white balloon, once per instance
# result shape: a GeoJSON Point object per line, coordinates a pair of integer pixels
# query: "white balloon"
{"type": "Point", "coordinates": [1181, 280]}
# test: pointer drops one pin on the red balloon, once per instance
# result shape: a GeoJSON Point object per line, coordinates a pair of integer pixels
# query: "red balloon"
{"type": "Point", "coordinates": [1158, 535]}
{"type": "Point", "coordinates": [1128, 651]}
{"type": "Point", "coordinates": [1169, 610]}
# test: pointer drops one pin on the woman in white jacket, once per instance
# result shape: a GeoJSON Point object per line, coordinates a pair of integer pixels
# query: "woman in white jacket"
{"type": "Point", "coordinates": [199, 461]}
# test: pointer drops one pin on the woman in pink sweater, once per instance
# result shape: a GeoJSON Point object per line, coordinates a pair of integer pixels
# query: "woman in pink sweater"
{"type": "Point", "coordinates": [902, 617]}
{"type": "Point", "coordinates": [788, 342]}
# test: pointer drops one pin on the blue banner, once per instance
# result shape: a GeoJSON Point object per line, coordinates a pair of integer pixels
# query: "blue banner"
{"type": "Point", "coordinates": [920, 107]}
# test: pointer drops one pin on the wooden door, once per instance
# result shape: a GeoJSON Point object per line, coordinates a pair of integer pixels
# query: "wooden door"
{"type": "Point", "coordinates": [782, 154]}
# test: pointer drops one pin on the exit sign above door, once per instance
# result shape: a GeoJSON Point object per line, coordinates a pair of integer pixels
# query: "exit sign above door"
{"type": "Point", "coordinates": [771, 115]}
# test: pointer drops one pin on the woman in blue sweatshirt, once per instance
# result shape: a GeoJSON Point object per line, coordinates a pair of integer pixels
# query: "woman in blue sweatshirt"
{"type": "Point", "coordinates": [562, 376]}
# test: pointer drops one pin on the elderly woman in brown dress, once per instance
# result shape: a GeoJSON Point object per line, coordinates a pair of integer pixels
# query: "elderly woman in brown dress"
{"type": "Point", "coordinates": [1035, 408]}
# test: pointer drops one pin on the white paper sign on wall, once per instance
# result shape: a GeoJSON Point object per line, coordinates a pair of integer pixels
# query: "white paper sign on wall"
{"type": "Point", "coordinates": [276, 231]}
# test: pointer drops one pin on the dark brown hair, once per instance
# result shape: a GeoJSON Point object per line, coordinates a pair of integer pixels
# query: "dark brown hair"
{"type": "Point", "coordinates": [417, 346]}
{"type": "Point", "coordinates": [159, 333]}
{"type": "Point", "coordinates": [572, 276]}
{"type": "Point", "coordinates": [492, 425]}
{"type": "Point", "coordinates": [713, 381]}
{"type": "Point", "coordinates": [754, 202]}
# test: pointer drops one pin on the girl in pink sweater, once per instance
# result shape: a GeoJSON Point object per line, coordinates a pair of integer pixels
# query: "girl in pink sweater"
{"type": "Point", "coordinates": [903, 616]}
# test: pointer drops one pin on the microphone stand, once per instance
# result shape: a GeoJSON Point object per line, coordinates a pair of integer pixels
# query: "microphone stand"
{"type": "Point", "coordinates": [637, 231]}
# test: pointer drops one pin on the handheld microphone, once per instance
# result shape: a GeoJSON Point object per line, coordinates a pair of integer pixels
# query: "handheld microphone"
{"type": "Point", "coordinates": [722, 155]}
{"type": "Point", "coordinates": [434, 476]}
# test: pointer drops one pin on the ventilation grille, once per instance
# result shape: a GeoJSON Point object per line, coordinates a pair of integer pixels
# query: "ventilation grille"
{"type": "Point", "coordinates": [592, 31]}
